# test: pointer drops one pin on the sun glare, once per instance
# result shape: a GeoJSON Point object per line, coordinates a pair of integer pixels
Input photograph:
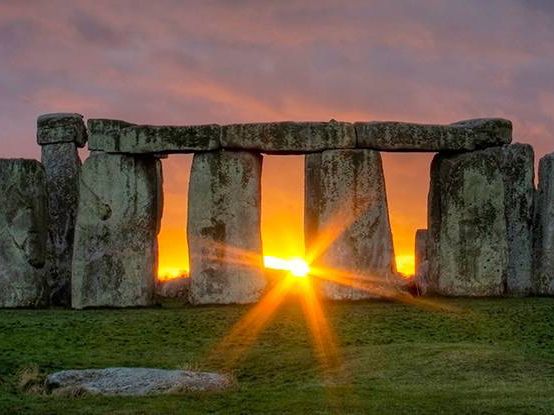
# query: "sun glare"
{"type": "Point", "coordinates": [405, 264]}
{"type": "Point", "coordinates": [169, 273]}
{"type": "Point", "coordinates": [297, 267]}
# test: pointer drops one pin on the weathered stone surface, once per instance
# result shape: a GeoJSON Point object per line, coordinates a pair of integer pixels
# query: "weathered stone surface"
{"type": "Point", "coordinates": [544, 229]}
{"type": "Point", "coordinates": [289, 137]}
{"type": "Point", "coordinates": [127, 381]}
{"type": "Point", "coordinates": [174, 288]}
{"type": "Point", "coordinates": [23, 233]}
{"type": "Point", "coordinates": [421, 261]}
{"type": "Point", "coordinates": [347, 225]}
{"type": "Point", "coordinates": [61, 128]}
{"type": "Point", "coordinates": [104, 134]}
{"type": "Point", "coordinates": [62, 166]}
{"type": "Point", "coordinates": [225, 247]}
{"type": "Point", "coordinates": [517, 163]}
{"type": "Point", "coordinates": [461, 136]}
{"type": "Point", "coordinates": [480, 231]}
{"type": "Point", "coordinates": [168, 139]}
{"type": "Point", "coordinates": [115, 255]}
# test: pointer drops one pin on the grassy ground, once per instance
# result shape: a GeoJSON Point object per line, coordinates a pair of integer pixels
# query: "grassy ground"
{"type": "Point", "coordinates": [481, 356]}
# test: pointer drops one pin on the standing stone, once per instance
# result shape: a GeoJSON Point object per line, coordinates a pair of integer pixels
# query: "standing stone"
{"type": "Point", "coordinates": [115, 256]}
{"type": "Point", "coordinates": [225, 246]}
{"type": "Point", "coordinates": [480, 222]}
{"type": "Point", "coordinates": [23, 233]}
{"type": "Point", "coordinates": [544, 229]}
{"type": "Point", "coordinates": [517, 163]}
{"type": "Point", "coordinates": [421, 261]}
{"type": "Point", "coordinates": [347, 226]}
{"type": "Point", "coordinates": [59, 136]}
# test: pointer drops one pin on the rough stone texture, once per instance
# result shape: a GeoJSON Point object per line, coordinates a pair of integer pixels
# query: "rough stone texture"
{"type": "Point", "coordinates": [480, 226]}
{"type": "Point", "coordinates": [125, 381]}
{"type": "Point", "coordinates": [115, 255]}
{"type": "Point", "coordinates": [104, 134]}
{"type": "Point", "coordinates": [225, 247]}
{"type": "Point", "coordinates": [544, 229]}
{"type": "Point", "coordinates": [174, 288]}
{"type": "Point", "coordinates": [62, 166]}
{"type": "Point", "coordinates": [517, 163]}
{"type": "Point", "coordinates": [289, 137]}
{"type": "Point", "coordinates": [23, 233]}
{"type": "Point", "coordinates": [461, 136]}
{"type": "Point", "coordinates": [421, 261]}
{"type": "Point", "coordinates": [61, 128]}
{"type": "Point", "coordinates": [168, 139]}
{"type": "Point", "coordinates": [347, 225]}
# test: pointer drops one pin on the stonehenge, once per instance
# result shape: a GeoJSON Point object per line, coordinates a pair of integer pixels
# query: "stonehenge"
{"type": "Point", "coordinates": [86, 236]}
{"type": "Point", "coordinates": [543, 282]}
{"type": "Point", "coordinates": [223, 232]}
{"type": "Point", "coordinates": [347, 222]}
{"type": "Point", "coordinates": [480, 222]}
{"type": "Point", "coordinates": [115, 254]}
{"type": "Point", "coordinates": [59, 136]}
{"type": "Point", "coordinates": [23, 233]}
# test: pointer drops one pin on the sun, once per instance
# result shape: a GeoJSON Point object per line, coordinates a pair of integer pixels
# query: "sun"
{"type": "Point", "coordinates": [297, 267]}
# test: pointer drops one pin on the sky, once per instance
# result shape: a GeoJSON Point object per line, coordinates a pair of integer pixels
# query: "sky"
{"type": "Point", "coordinates": [179, 62]}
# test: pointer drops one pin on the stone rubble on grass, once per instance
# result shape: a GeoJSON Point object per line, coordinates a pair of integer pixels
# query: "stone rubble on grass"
{"type": "Point", "coordinates": [127, 381]}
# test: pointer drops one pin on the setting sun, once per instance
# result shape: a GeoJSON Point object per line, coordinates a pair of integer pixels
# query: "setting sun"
{"type": "Point", "coordinates": [296, 266]}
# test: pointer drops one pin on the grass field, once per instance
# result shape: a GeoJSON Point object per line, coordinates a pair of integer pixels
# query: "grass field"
{"type": "Point", "coordinates": [480, 356]}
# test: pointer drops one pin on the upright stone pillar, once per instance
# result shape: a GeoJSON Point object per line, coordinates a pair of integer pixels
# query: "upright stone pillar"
{"type": "Point", "coordinates": [224, 239]}
{"type": "Point", "coordinates": [544, 229]}
{"type": "Point", "coordinates": [115, 255]}
{"type": "Point", "coordinates": [347, 226]}
{"type": "Point", "coordinates": [23, 233]}
{"type": "Point", "coordinates": [480, 222]}
{"type": "Point", "coordinates": [421, 261]}
{"type": "Point", "coordinates": [59, 136]}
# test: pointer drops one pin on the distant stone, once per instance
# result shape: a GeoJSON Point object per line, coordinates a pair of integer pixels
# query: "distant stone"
{"type": "Point", "coordinates": [480, 228]}
{"type": "Point", "coordinates": [104, 134]}
{"type": "Point", "coordinates": [225, 246]}
{"type": "Point", "coordinates": [23, 233]}
{"type": "Point", "coordinates": [144, 139]}
{"type": "Point", "coordinates": [174, 288]}
{"type": "Point", "coordinates": [544, 229]}
{"type": "Point", "coordinates": [289, 137]}
{"type": "Point", "coordinates": [461, 136]}
{"type": "Point", "coordinates": [62, 166]}
{"type": "Point", "coordinates": [61, 128]}
{"type": "Point", "coordinates": [115, 255]}
{"type": "Point", "coordinates": [347, 224]}
{"type": "Point", "coordinates": [126, 381]}
{"type": "Point", "coordinates": [421, 261]}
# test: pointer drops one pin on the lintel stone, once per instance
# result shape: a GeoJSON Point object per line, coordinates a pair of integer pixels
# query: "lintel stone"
{"type": "Point", "coordinates": [465, 135]}
{"type": "Point", "coordinates": [104, 134]}
{"type": "Point", "coordinates": [289, 137]}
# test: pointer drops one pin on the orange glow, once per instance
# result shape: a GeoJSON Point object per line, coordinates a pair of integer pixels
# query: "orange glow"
{"type": "Point", "coordinates": [171, 273]}
{"type": "Point", "coordinates": [405, 264]}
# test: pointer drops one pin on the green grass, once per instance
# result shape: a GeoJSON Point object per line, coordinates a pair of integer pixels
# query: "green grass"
{"type": "Point", "coordinates": [482, 356]}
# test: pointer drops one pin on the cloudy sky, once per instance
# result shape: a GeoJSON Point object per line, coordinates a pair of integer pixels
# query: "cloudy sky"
{"type": "Point", "coordinates": [178, 62]}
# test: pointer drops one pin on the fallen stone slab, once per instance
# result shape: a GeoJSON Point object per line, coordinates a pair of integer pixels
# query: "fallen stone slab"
{"type": "Point", "coordinates": [461, 136]}
{"type": "Point", "coordinates": [289, 137]}
{"type": "Point", "coordinates": [127, 381]}
{"type": "Point", "coordinates": [61, 128]}
{"type": "Point", "coordinates": [148, 139]}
